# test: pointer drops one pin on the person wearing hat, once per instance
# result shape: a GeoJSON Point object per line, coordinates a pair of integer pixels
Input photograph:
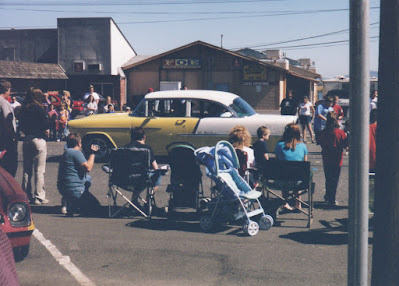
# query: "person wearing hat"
{"type": "Point", "coordinates": [320, 119]}
{"type": "Point", "coordinates": [92, 92]}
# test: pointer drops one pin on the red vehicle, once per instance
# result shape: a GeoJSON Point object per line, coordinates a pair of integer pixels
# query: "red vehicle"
{"type": "Point", "coordinates": [55, 100]}
{"type": "Point", "coordinates": [15, 215]}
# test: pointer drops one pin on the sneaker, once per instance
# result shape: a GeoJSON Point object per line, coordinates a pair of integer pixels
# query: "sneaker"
{"type": "Point", "coordinates": [40, 201]}
{"type": "Point", "coordinates": [44, 201]}
{"type": "Point", "coordinates": [64, 210]}
{"type": "Point", "coordinates": [36, 202]}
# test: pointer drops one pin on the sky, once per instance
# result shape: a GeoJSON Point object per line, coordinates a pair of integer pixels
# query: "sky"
{"type": "Point", "coordinates": [315, 29]}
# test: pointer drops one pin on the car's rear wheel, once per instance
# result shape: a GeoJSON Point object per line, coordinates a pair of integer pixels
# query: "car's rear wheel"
{"type": "Point", "coordinates": [103, 143]}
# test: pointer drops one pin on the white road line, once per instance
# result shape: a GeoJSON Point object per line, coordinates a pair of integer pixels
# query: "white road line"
{"type": "Point", "coordinates": [64, 261]}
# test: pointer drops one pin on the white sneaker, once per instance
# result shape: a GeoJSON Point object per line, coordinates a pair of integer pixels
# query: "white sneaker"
{"type": "Point", "coordinates": [64, 210]}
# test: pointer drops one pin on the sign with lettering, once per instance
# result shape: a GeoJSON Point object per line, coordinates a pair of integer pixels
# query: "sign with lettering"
{"type": "Point", "coordinates": [181, 64]}
{"type": "Point", "coordinates": [254, 73]}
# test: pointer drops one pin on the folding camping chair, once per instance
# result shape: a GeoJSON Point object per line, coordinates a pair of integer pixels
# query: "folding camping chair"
{"type": "Point", "coordinates": [293, 176]}
{"type": "Point", "coordinates": [129, 171]}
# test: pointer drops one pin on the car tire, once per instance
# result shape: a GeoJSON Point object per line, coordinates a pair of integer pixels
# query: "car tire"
{"type": "Point", "coordinates": [100, 140]}
{"type": "Point", "coordinates": [20, 252]}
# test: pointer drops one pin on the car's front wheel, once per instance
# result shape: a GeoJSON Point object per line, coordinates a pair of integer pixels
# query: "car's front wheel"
{"type": "Point", "coordinates": [102, 142]}
{"type": "Point", "coordinates": [20, 252]}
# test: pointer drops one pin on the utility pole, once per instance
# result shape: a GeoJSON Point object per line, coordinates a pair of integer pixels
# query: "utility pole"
{"type": "Point", "coordinates": [359, 90]}
{"type": "Point", "coordinates": [385, 269]}
{"type": "Point", "coordinates": [221, 41]}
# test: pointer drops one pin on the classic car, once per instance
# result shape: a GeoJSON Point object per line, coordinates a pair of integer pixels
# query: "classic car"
{"type": "Point", "coordinates": [201, 117]}
{"type": "Point", "coordinates": [15, 215]}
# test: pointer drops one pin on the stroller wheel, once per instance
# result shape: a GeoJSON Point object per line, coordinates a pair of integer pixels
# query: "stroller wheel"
{"type": "Point", "coordinates": [206, 223]}
{"type": "Point", "coordinates": [251, 227]}
{"type": "Point", "coordinates": [265, 222]}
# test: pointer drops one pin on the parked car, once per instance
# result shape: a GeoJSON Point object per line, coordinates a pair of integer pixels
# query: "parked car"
{"type": "Point", "coordinates": [15, 215]}
{"type": "Point", "coordinates": [201, 117]}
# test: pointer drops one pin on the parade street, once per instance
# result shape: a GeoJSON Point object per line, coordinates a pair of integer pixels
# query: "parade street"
{"type": "Point", "coordinates": [136, 251]}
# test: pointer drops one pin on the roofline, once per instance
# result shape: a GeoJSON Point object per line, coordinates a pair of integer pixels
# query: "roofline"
{"type": "Point", "coordinates": [204, 44]}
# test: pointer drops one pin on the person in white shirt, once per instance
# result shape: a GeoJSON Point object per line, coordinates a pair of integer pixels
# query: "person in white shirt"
{"type": "Point", "coordinates": [373, 100]}
{"type": "Point", "coordinates": [14, 103]}
{"type": "Point", "coordinates": [91, 106]}
{"type": "Point", "coordinates": [93, 93]}
{"type": "Point", "coordinates": [306, 112]}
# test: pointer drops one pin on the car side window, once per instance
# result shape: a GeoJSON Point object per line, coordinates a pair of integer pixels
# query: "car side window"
{"type": "Point", "coordinates": [167, 108]}
{"type": "Point", "coordinates": [206, 108]}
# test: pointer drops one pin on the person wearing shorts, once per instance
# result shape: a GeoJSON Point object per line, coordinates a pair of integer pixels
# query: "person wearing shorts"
{"type": "Point", "coordinates": [306, 112]}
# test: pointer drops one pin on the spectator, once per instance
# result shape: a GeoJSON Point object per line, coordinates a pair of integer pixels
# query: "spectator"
{"type": "Point", "coordinates": [14, 103]}
{"type": "Point", "coordinates": [373, 134]}
{"type": "Point", "coordinates": [46, 101]}
{"type": "Point", "coordinates": [338, 110]}
{"type": "Point", "coordinates": [288, 105]}
{"type": "Point", "coordinates": [108, 106]}
{"type": "Point", "coordinates": [8, 134]}
{"type": "Point", "coordinates": [138, 138]}
{"type": "Point", "coordinates": [373, 100]}
{"type": "Point", "coordinates": [306, 112]}
{"type": "Point", "coordinates": [320, 119]}
{"type": "Point", "coordinates": [93, 93]}
{"type": "Point", "coordinates": [35, 125]}
{"type": "Point", "coordinates": [240, 138]}
{"type": "Point", "coordinates": [53, 117]}
{"type": "Point", "coordinates": [290, 148]}
{"type": "Point", "coordinates": [91, 106]}
{"type": "Point", "coordinates": [73, 181]}
{"type": "Point", "coordinates": [260, 146]}
{"type": "Point", "coordinates": [333, 141]}
{"type": "Point", "coordinates": [63, 122]}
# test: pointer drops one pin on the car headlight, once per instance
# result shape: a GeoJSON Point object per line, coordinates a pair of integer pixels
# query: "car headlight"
{"type": "Point", "coordinates": [18, 214]}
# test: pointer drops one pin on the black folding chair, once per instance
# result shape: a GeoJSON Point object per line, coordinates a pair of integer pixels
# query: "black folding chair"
{"type": "Point", "coordinates": [129, 171]}
{"type": "Point", "coordinates": [292, 176]}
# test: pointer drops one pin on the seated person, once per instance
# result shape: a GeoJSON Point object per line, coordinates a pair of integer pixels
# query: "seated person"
{"type": "Point", "coordinates": [138, 137]}
{"type": "Point", "coordinates": [73, 180]}
{"type": "Point", "coordinates": [260, 146]}
{"type": "Point", "coordinates": [240, 138]}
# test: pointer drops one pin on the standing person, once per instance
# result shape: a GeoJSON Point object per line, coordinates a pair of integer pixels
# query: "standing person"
{"type": "Point", "coordinates": [333, 142]}
{"type": "Point", "coordinates": [73, 180]}
{"type": "Point", "coordinates": [372, 141]}
{"type": "Point", "coordinates": [91, 106]}
{"type": "Point", "coordinates": [46, 101]}
{"type": "Point", "coordinates": [14, 103]}
{"type": "Point", "coordinates": [93, 93]}
{"type": "Point", "coordinates": [320, 119]}
{"type": "Point", "coordinates": [288, 105]}
{"type": "Point", "coordinates": [373, 100]}
{"type": "Point", "coordinates": [53, 118]}
{"type": "Point", "coordinates": [8, 134]}
{"type": "Point", "coordinates": [35, 125]}
{"type": "Point", "coordinates": [338, 110]}
{"type": "Point", "coordinates": [290, 148]}
{"type": "Point", "coordinates": [63, 122]}
{"type": "Point", "coordinates": [260, 146]}
{"type": "Point", "coordinates": [306, 112]}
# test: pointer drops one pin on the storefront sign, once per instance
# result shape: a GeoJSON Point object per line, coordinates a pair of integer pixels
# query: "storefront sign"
{"type": "Point", "coordinates": [255, 83]}
{"type": "Point", "coordinates": [181, 64]}
{"type": "Point", "coordinates": [254, 73]}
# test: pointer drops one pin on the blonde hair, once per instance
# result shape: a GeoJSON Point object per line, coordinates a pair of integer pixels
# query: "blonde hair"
{"type": "Point", "coordinates": [239, 136]}
{"type": "Point", "coordinates": [67, 93]}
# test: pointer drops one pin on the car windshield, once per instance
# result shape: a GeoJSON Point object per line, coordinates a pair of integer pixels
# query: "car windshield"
{"type": "Point", "coordinates": [242, 108]}
{"type": "Point", "coordinates": [140, 109]}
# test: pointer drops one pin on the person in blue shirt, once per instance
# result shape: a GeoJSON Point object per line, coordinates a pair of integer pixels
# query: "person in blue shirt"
{"type": "Point", "coordinates": [320, 119]}
{"type": "Point", "coordinates": [291, 148]}
{"type": "Point", "coordinates": [73, 181]}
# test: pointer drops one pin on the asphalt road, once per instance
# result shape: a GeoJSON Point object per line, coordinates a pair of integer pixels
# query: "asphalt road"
{"type": "Point", "coordinates": [135, 251]}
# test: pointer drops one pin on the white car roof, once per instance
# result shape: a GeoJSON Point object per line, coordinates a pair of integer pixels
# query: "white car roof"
{"type": "Point", "coordinates": [225, 98]}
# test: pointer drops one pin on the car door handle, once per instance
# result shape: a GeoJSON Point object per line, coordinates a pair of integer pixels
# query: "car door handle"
{"type": "Point", "coordinates": [180, 122]}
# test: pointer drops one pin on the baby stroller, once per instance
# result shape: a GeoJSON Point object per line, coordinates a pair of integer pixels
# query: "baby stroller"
{"type": "Point", "coordinates": [185, 186]}
{"type": "Point", "coordinates": [232, 199]}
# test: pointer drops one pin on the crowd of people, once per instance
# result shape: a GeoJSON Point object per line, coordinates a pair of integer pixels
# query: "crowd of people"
{"type": "Point", "coordinates": [35, 119]}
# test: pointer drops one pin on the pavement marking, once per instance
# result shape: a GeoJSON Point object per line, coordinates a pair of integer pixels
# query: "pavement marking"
{"type": "Point", "coordinates": [63, 260]}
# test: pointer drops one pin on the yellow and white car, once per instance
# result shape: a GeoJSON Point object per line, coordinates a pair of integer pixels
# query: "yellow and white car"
{"type": "Point", "coordinates": [201, 117]}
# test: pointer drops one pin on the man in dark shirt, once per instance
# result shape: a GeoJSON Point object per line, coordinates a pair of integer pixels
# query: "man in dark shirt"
{"type": "Point", "coordinates": [288, 105]}
{"type": "Point", "coordinates": [138, 137]}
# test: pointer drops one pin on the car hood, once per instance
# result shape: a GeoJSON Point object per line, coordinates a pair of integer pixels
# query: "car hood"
{"type": "Point", "coordinates": [97, 120]}
{"type": "Point", "coordinates": [78, 102]}
{"type": "Point", "coordinates": [10, 190]}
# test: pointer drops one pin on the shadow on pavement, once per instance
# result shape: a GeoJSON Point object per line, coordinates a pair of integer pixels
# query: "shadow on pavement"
{"type": "Point", "coordinates": [325, 206]}
{"type": "Point", "coordinates": [101, 212]}
{"type": "Point", "coordinates": [54, 159]}
{"type": "Point", "coordinates": [334, 233]}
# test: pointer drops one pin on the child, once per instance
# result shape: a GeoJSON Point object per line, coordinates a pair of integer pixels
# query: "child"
{"type": "Point", "coordinates": [53, 116]}
{"type": "Point", "coordinates": [333, 141]}
{"type": "Point", "coordinates": [260, 146]}
{"type": "Point", "coordinates": [63, 119]}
